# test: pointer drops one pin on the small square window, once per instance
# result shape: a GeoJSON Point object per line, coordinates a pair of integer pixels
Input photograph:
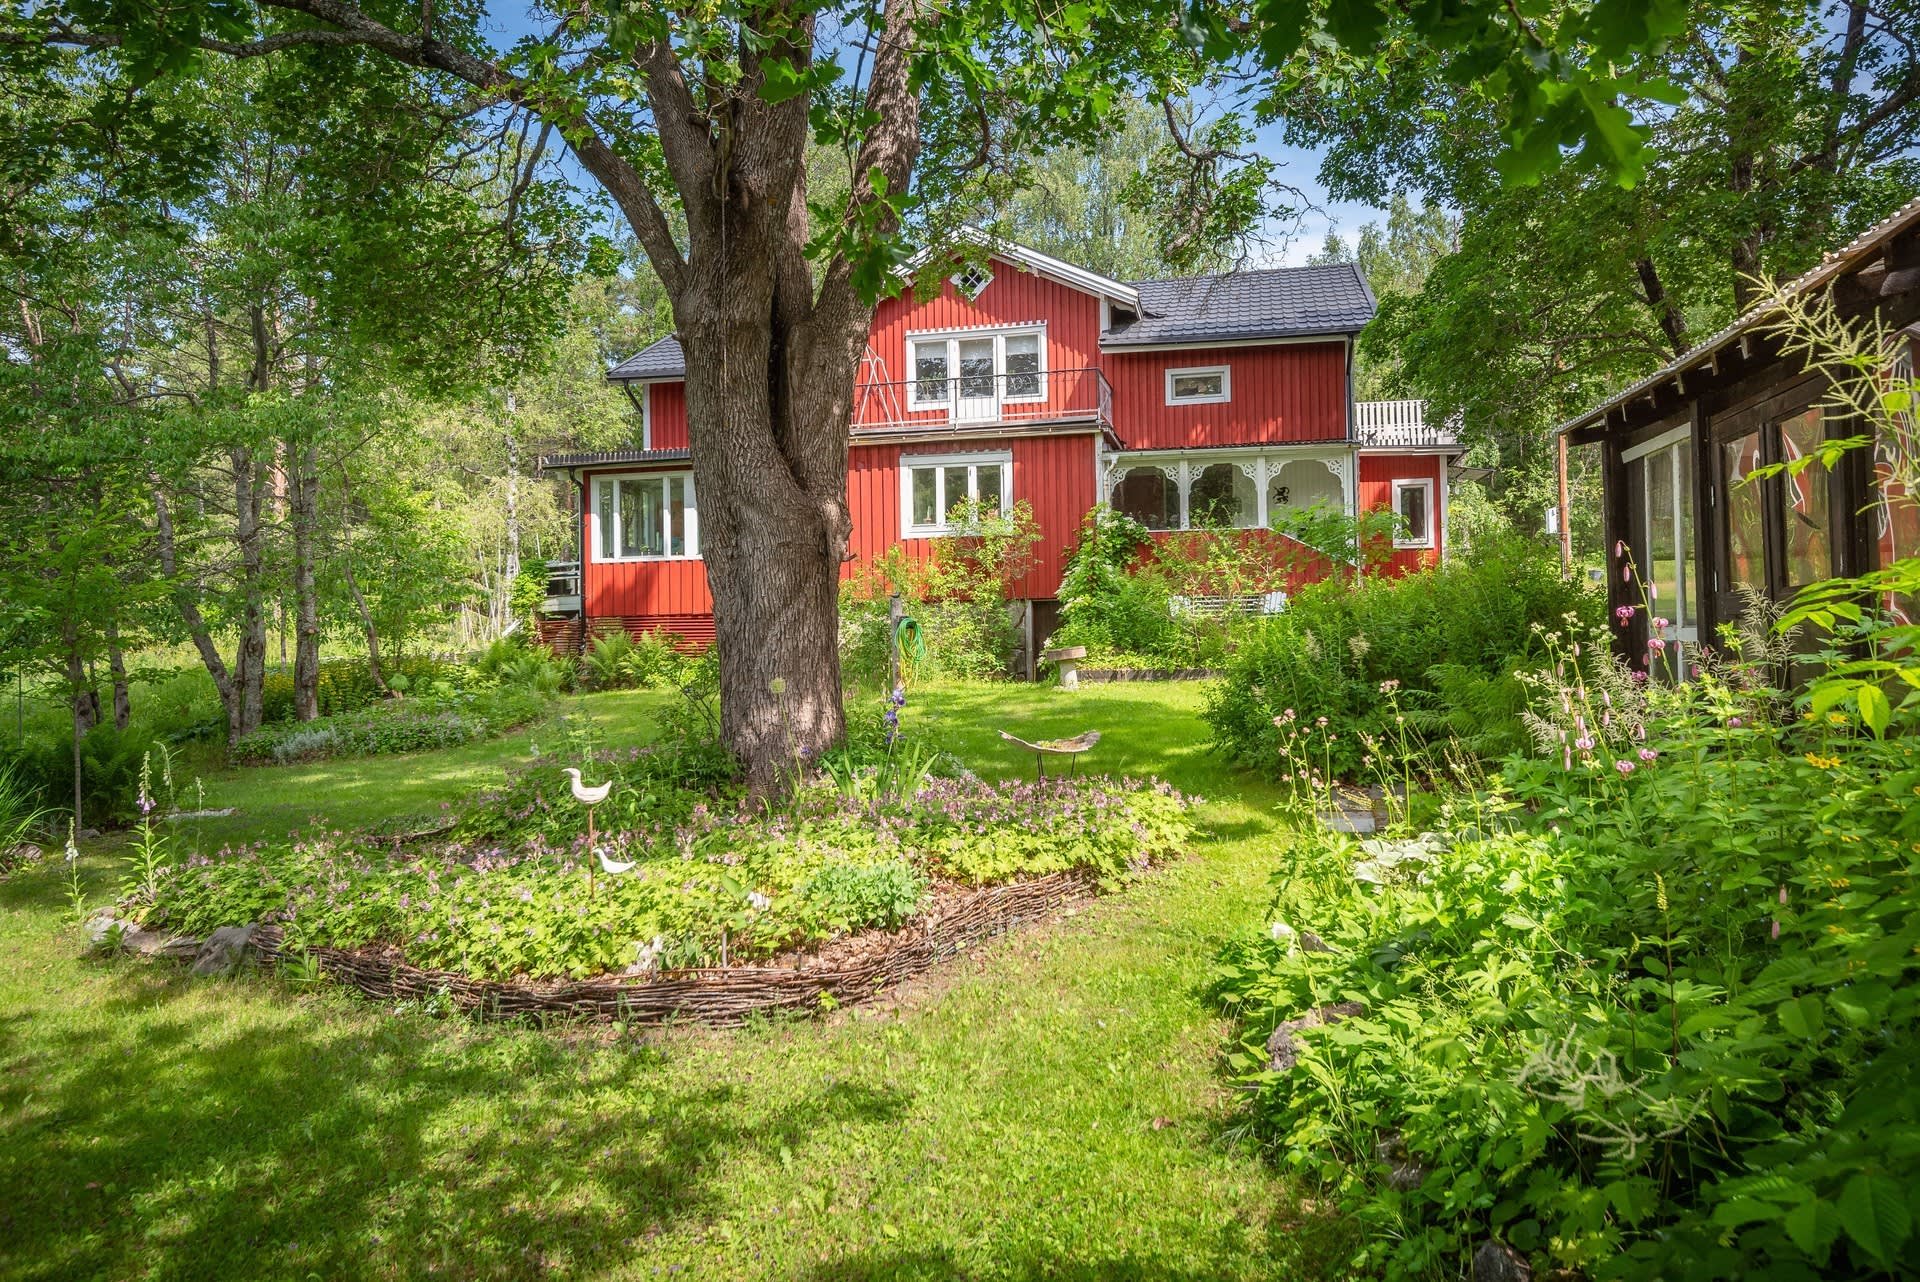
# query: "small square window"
{"type": "Point", "coordinates": [1209, 385]}
{"type": "Point", "coordinates": [972, 280]}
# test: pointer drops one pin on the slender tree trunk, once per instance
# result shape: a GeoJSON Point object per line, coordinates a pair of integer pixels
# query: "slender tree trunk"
{"type": "Point", "coordinates": [1672, 323]}
{"type": "Point", "coordinates": [512, 568]}
{"type": "Point", "coordinates": [250, 662]}
{"type": "Point", "coordinates": [353, 590]}
{"type": "Point", "coordinates": [305, 486]}
{"type": "Point", "coordinates": [117, 664]}
{"type": "Point", "coordinates": [86, 710]}
{"type": "Point", "coordinates": [184, 600]}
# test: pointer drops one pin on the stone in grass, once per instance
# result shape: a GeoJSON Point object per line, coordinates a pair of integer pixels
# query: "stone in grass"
{"type": "Point", "coordinates": [106, 932]}
{"type": "Point", "coordinates": [1283, 1048]}
{"type": "Point", "coordinates": [225, 950]}
{"type": "Point", "coordinates": [1497, 1262]}
{"type": "Point", "coordinates": [1404, 1171]}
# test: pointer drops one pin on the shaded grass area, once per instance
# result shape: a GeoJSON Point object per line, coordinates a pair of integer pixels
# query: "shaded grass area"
{"type": "Point", "coordinates": [1046, 1106]}
{"type": "Point", "coordinates": [356, 792]}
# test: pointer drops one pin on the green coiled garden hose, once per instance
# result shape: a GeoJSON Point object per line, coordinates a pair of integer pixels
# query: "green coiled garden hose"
{"type": "Point", "coordinates": [909, 642]}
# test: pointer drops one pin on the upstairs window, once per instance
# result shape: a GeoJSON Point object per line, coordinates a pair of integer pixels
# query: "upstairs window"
{"type": "Point", "coordinates": [1203, 385]}
{"type": "Point", "coordinates": [646, 518]}
{"type": "Point", "coordinates": [933, 488]}
{"type": "Point", "coordinates": [982, 370]}
{"type": "Point", "coordinates": [1413, 504]}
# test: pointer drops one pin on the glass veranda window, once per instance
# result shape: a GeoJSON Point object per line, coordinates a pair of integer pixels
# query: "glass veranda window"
{"type": "Point", "coordinates": [647, 516]}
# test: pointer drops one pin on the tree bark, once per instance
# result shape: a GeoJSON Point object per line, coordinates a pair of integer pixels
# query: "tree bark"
{"type": "Point", "coordinates": [183, 599]}
{"type": "Point", "coordinates": [117, 664]}
{"type": "Point", "coordinates": [353, 590]}
{"type": "Point", "coordinates": [305, 513]}
{"type": "Point", "coordinates": [250, 661]}
{"type": "Point", "coordinates": [511, 571]}
{"type": "Point", "coordinates": [1672, 323]}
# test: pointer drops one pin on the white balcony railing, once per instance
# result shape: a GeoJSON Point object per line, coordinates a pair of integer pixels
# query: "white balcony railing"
{"type": "Point", "coordinates": [1402, 424]}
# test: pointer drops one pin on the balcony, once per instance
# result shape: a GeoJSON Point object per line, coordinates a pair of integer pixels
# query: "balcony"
{"type": "Point", "coordinates": [1391, 425]}
{"type": "Point", "coordinates": [563, 588]}
{"type": "Point", "coordinates": [983, 404]}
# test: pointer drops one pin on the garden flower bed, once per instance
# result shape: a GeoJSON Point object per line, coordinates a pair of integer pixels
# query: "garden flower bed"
{"type": "Point", "coordinates": [838, 894]}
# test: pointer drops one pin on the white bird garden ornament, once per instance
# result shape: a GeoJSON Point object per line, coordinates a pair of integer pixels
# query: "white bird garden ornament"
{"type": "Point", "coordinates": [591, 795]}
{"type": "Point", "coordinates": [615, 867]}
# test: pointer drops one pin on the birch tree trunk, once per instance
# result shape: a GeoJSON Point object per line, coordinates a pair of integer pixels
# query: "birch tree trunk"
{"type": "Point", "coordinates": [305, 512]}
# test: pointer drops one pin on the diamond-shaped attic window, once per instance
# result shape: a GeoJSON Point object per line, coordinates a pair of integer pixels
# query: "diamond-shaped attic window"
{"type": "Point", "coordinates": [972, 279]}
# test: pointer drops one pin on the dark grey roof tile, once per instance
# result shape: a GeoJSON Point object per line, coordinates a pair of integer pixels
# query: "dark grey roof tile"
{"type": "Point", "coordinates": [1279, 302]}
{"type": "Point", "coordinates": [661, 358]}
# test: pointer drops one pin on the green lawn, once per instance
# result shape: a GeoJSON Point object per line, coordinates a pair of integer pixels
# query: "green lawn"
{"type": "Point", "coordinates": [1046, 1107]}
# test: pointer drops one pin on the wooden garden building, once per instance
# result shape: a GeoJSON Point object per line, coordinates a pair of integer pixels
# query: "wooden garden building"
{"type": "Point", "coordinates": [1677, 444]}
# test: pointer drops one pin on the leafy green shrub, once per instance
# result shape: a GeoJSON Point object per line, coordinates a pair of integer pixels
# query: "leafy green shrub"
{"type": "Point", "coordinates": [42, 765]}
{"type": "Point", "coordinates": [21, 815]}
{"type": "Point", "coordinates": [1339, 640]}
{"type": "Point", "coordinates": [346, 685]}
{"type": "Point", "coordinates": [1648, 1008]}
{"type": "Point", "coordinates": [957, 595]}
{"type": "Point", "coordinates": [412, 725]}
{"type": "Point", "coordinates": [615, 661]}
{"type": "Point", "coordinates": [845, 897]}
{"type": "Point", "coordinates": [729, 880]}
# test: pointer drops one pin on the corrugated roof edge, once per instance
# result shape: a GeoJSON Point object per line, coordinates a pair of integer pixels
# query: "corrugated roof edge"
{"type": "Point", "coordinates": [610, 458]}
{"type": "Point", "coordinates": [1831, 266]}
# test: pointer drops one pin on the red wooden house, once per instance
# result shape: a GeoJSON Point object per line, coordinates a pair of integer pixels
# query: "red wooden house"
{"type": "Point", "coordinates": [1210, 399]}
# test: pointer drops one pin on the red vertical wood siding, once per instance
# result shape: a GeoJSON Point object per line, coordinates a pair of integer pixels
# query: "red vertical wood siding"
{"type": "Point", "coordinates": [1286, 392]}
{"type": "Point", "coordinates": [666, 416]}
{"type": "Point", "coordinates": [1378, 472]}
{"type": "Point", "coordinates": [1015, 297]}
{"type": "Point", "coordinates": [1051, 474]}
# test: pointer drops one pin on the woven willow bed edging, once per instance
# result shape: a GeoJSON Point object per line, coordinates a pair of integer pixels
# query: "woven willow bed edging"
{"type": "Point", "coordinates": [716, 995]}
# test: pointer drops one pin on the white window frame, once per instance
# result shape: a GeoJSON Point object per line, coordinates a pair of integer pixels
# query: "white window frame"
{"type": "Point", "coordinates": [1423, 539]}
{"type": "Point", "coordinates": [1226, 385]}
{"type": "Point", "coordinates": [951, 339]}
{"type": "Point", "coordinates": [595, 541]}
{"type": "Point", "coordinates": [942, 502]}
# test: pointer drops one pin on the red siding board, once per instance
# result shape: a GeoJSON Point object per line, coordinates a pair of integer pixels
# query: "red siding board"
{"type": "Point", "coordinates": [667, 416]}
{"type": "Point", "coordinates": [1051, 474]}
{"type": "Point", "coordinates": [1286, 392]}
{"type": "Point", "coordinates": [639, 588]}
{"type": "Point", "coordinates": [1378, 472]}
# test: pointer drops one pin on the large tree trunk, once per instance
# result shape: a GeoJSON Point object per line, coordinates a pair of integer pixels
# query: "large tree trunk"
{"type": "Point", "coordinates": [306, 605]}
{"type": "Point", "coordinates": [771, 358]}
